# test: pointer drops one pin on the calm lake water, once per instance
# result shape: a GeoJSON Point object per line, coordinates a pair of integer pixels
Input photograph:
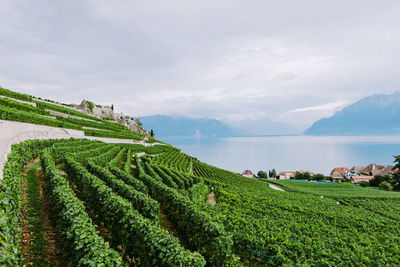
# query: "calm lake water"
{"type": "Point", "coordinates": [291, 153]}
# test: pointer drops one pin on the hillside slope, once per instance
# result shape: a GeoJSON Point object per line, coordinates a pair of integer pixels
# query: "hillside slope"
{"type": "Point", "coordinates": [128, 204]}
{"type": "Point", "coordinates": [24, 108]}
{"type": "Point", "coordinates": [373, 115]}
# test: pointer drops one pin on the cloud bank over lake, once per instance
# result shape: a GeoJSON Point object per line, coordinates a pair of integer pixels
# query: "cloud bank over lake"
{"type": "Point", "coordinates": [292, 62]}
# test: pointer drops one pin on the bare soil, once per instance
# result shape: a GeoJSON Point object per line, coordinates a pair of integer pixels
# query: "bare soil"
{"type": "Point", "coordinates": [211, 199]}
{"type": "Point", "coordinates": [26, 233]}
{"type": "Point", "coordinates": [167, 225]}
{"type": "Point", "coordinates": [54, 246]}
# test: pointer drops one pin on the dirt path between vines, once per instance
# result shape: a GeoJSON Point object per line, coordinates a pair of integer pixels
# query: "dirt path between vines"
{"type": "Point", "coordinates": [166, 224]}
{"type": "Point", "coordinates": [26, 233]}
{"type": "Point", "coordinates": [53, 251]}
{"type": "Point", "coordinates": [54, 247]}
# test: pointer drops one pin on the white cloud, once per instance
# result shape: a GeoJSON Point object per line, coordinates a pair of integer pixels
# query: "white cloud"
{"type": "Point", "coordinates": [325, 107]}
{"type": "Point", "coordinates": [285, 61]}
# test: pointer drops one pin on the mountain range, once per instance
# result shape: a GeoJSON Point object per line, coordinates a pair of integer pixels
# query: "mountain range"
{"type": "Point", "coordinates": [177, 126]}
{"type": "Point", "coordinates": [374, 115]}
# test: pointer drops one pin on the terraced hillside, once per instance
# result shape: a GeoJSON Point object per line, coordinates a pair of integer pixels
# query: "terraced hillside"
{"type": "Point", "coordinates": [80, 202]}
{"type": "Point", "coordinates": [24, 108]}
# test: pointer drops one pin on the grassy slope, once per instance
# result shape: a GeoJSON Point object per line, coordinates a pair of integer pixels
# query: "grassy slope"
{"type": "Point", "coordinates": [335, 190]}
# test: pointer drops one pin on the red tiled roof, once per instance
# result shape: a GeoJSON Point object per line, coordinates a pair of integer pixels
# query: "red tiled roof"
{"type": "Point", "coordinates": [340, 169]}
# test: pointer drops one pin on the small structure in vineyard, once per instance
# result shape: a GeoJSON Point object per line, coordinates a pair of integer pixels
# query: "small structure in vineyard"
{"type": "Point", "coordinates": [248, 173]}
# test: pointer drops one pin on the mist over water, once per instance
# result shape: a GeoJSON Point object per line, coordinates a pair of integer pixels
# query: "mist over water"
{"type": "Point", "coordinates": [319, 154]}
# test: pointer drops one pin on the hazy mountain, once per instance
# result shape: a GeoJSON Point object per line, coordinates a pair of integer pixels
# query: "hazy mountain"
{"type": "Point", "coordinates": [174, 126]}
{"type": "Point", "coordinates": [373, 115]}
{"type": "Point", "coordinates": [263, 127]}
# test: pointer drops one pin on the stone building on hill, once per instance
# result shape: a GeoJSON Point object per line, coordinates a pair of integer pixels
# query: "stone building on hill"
{"type": "Point", "coordinates": [248, 173]}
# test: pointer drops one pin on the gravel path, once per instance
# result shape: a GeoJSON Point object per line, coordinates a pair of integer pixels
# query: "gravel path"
{"type": "Point", "coordinates": [12, 132]}
{"type": "Point", "coordinates": [276, 188]}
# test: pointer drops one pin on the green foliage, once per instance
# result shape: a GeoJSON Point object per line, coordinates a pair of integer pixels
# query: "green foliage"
{"type": "Point", "coordinates": [13, 114]}
{"type": "Point", "coordinates": [93, 124]}
{"type": "Point", "coordinates": [378, 179]}
{"type": "Point", "coordinates": [262, 174]}
{"type": "Point", "coordinates": [318, 177]}
{"type": "Point", "coordinates": [335, 190]}
{"type": "Point", "coordinates": [198, 228]}
{"type": "Point", "coordinates": [148, 207]}
{"type": "Point", "coordinates": [117, 160]}
{"type": "Point", "coordinates": [272, 228]}
{"type": "Point", "coordinates": [34, 219]}
{"type": "Point", "coordinates": [121, 135]}
{"type": "Point", "coordinates": [12, 94]}
{"type": "Point", "coordinates": [299, 176]}
{"type": "Point", "coordinates": [199, 192]}
{"type": "Point", "coordinates": [396, 176]}
{"type": "Point", "coordinates": [22, 106]}
{"type": "Point", "coordinates": [128, 179]}
{"type": "Point", "coordinates": [11, 200]}
{"type": "Point", "coordinates": [143, 240]}
{"type": "Point", "coordinates": [272, 173]}
{"type": "Point", "coordinates": [83, 245]}
{"type": "Point", "coordinates": [65, 110]}
{"type": "Point", "coordinates": [90, 105]}
{"type": "Point", "coordinates": [385, 186]}
{"type": "Point", "coordinates": [174, 159]}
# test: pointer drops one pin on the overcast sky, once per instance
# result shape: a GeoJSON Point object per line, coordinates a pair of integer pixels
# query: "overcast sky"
{"type": "Point", "coordinates": [289, 61]}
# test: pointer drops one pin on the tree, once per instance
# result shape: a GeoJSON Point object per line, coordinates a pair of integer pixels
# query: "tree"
{"type": "Point", "coordinates": [396, 176]}
{"type": "Point", "coordinates": [364, 183]}
{"type": "Point", "coordinates": [299, 176]}
{"type": "Point", "coordinates": [151, 133]}
{"type": "Point", "coordinates": [306, 176]}
{"type": "Point", "coordinates": [262, 174]}
{"type": "Point", "coordinates": [112, 107]}
{"type": "Point", "coordinates": [385, 186]}
{"type": "Point", "coordinates": [318, 177]}
{"type": "Point", "coordinates": [378, 179]}
{"type": "Point", "coordinates": [273, 172]}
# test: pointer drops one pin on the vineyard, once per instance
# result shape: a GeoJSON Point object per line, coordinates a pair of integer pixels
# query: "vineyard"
{"type": "Point", "coordinates": [79, 202]}
{"type": "Point", "coordinates": [23, 108]}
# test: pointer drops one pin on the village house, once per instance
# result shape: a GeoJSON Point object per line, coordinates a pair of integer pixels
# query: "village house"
{"type": "Point", "coordinates": [339, 173]}
{"type": "Point", "coordinates": [356, 179]}
{"type": "Point", "coordinates": [248, 173]}
{"type": "Point", "coordinates": [286, 175]}
{"type": "Point", "coordinates": [372, 169]}
{"type": "Point", "coordinates": [356, 170]}
{"type": "Point", "coordinates": [388, 170]}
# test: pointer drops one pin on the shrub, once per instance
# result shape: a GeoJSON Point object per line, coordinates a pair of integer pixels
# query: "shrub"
{"type": "Point", "coordinates": [385, 186]}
